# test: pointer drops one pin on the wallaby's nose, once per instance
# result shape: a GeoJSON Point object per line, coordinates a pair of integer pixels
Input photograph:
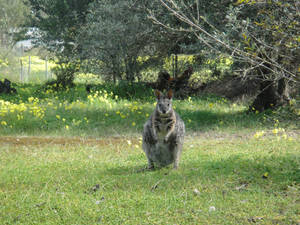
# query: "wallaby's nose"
{"type": "Point", "coordinates": [163, 111]}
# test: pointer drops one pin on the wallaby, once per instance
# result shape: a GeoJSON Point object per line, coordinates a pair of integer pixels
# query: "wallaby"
{"type": "Point", "coordinates": [163, 133]}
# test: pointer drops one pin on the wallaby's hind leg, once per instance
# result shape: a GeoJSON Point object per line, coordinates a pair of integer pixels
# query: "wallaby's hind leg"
{"type": "Point", "coordinates": [177, 154]}
{"type": "Point", "coordinates": [147, 148]}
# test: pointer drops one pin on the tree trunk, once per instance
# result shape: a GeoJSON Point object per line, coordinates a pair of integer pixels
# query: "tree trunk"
{"type": "Point", "coordinates": [130, 68]}
{"type": "Point", "coordinates": [272, 95]}
{"type": "Point", "coordinates": [115, 69]}
{"type": "Point", "coordinates": [284, 91]}
{"type": "Point", "coordinates": [114, 78]}
{"type": "Point", "coordinates": [273, 92]}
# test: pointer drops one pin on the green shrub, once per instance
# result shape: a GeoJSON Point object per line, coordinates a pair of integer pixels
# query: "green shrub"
{"type": "Point", "coordinates": [126, 90]}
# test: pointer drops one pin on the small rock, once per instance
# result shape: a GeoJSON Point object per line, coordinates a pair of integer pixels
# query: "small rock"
{"type": "Point", "coordinates": [242, 187]}
{"type": "Point", "coordinates": [196, 191]}
{"type": "Point", "coordinates": [212, 209]}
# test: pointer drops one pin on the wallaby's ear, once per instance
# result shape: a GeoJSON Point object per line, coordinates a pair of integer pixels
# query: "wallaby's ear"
{"type": "Point", "coordinates": [170, 94]}
{"type": "Point", "coordinates": [157, 94]}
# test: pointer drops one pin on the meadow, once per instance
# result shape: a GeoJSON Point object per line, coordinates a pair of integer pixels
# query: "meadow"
{"type": "Point", "coordinates": [72, 157]}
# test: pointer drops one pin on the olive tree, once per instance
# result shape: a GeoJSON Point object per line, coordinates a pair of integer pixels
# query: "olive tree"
{"type": "Point", "coordinates": [115, 35]}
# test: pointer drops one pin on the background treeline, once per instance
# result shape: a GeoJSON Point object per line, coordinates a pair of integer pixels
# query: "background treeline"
{"type": "Point", "coordinates": [133, 40]}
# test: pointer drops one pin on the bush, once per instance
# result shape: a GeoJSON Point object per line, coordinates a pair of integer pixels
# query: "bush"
{"type": "Point", "coordinates": [65, 74]}
{"type": "Point", "coordinates": [126, 90]}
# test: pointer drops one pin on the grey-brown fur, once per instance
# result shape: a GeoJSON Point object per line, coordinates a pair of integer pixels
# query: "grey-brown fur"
{"type": "Point", "coordinates": [163, 133]}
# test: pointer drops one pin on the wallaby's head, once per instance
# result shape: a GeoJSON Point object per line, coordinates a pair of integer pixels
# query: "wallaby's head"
{"type": "Point", "coordinates": [164, 102]}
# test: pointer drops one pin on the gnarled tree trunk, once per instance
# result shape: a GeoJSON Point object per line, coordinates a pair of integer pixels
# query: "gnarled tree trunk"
{"type": "Point", "coordinates": [272, 94]}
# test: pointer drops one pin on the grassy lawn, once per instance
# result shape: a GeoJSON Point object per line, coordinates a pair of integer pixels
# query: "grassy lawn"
{"type": "Point", "coordinates": [75, 158]}
{"type": "Point", "coordinates": [90, 181]}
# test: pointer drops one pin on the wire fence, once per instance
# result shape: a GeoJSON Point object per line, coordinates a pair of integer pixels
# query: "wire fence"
{"type": "Point", "coordinates": [22, 64]}
{"type": "Point", "coordinates": [34, 69]}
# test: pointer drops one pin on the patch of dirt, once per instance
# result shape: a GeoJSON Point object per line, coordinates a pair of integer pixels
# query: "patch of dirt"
{"type": "Point", "coordinates": [35, 141]}
{"type": "Point", "coordinates": [105, 141]}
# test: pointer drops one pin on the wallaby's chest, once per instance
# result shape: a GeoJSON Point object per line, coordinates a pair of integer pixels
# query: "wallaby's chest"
{"type": "Point", "coordinates": [161, 135]}
{"type": "Point", "coordinates": [162, 126]}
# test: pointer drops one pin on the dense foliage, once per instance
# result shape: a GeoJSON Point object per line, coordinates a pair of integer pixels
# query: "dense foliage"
{"type": "Point", "coordinates": [12, 16]}
{"type": "Point", "coordinates": [116, 33]}
{"type": "Point", "coordinates": [56, 26]}
{"type": "Point", "coordinates": [261, 36]}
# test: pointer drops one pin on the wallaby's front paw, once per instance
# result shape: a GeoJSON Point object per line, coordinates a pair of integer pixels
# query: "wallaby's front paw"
{"type": "Point", "coordinates": [166, 139]}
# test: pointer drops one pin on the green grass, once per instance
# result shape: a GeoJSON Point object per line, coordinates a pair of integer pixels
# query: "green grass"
{"type": "Point", "coordinates": [57, 147]}
{"type": "Point", "coordinates": [51, 181]}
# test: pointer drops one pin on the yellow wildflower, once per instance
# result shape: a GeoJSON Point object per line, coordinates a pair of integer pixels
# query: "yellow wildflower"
{"type": "Point", "coordinates": [259, 134]}
{"type": "Point", "coordinates": [275, 131]}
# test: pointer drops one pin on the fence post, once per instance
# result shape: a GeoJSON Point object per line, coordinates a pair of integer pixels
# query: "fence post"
{"type": "Point", "coordinates": [21, 71]}
{"type": "Point", "coordinates": [29, 68]}
{"type": "Point", "coordinates": [21, 64]}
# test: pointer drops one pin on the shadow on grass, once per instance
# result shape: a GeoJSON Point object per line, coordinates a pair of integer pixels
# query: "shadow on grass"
{"type": "Point", "coordinates": [105, 122]}
{"type": "Point", "coordinates": [279, 171]}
